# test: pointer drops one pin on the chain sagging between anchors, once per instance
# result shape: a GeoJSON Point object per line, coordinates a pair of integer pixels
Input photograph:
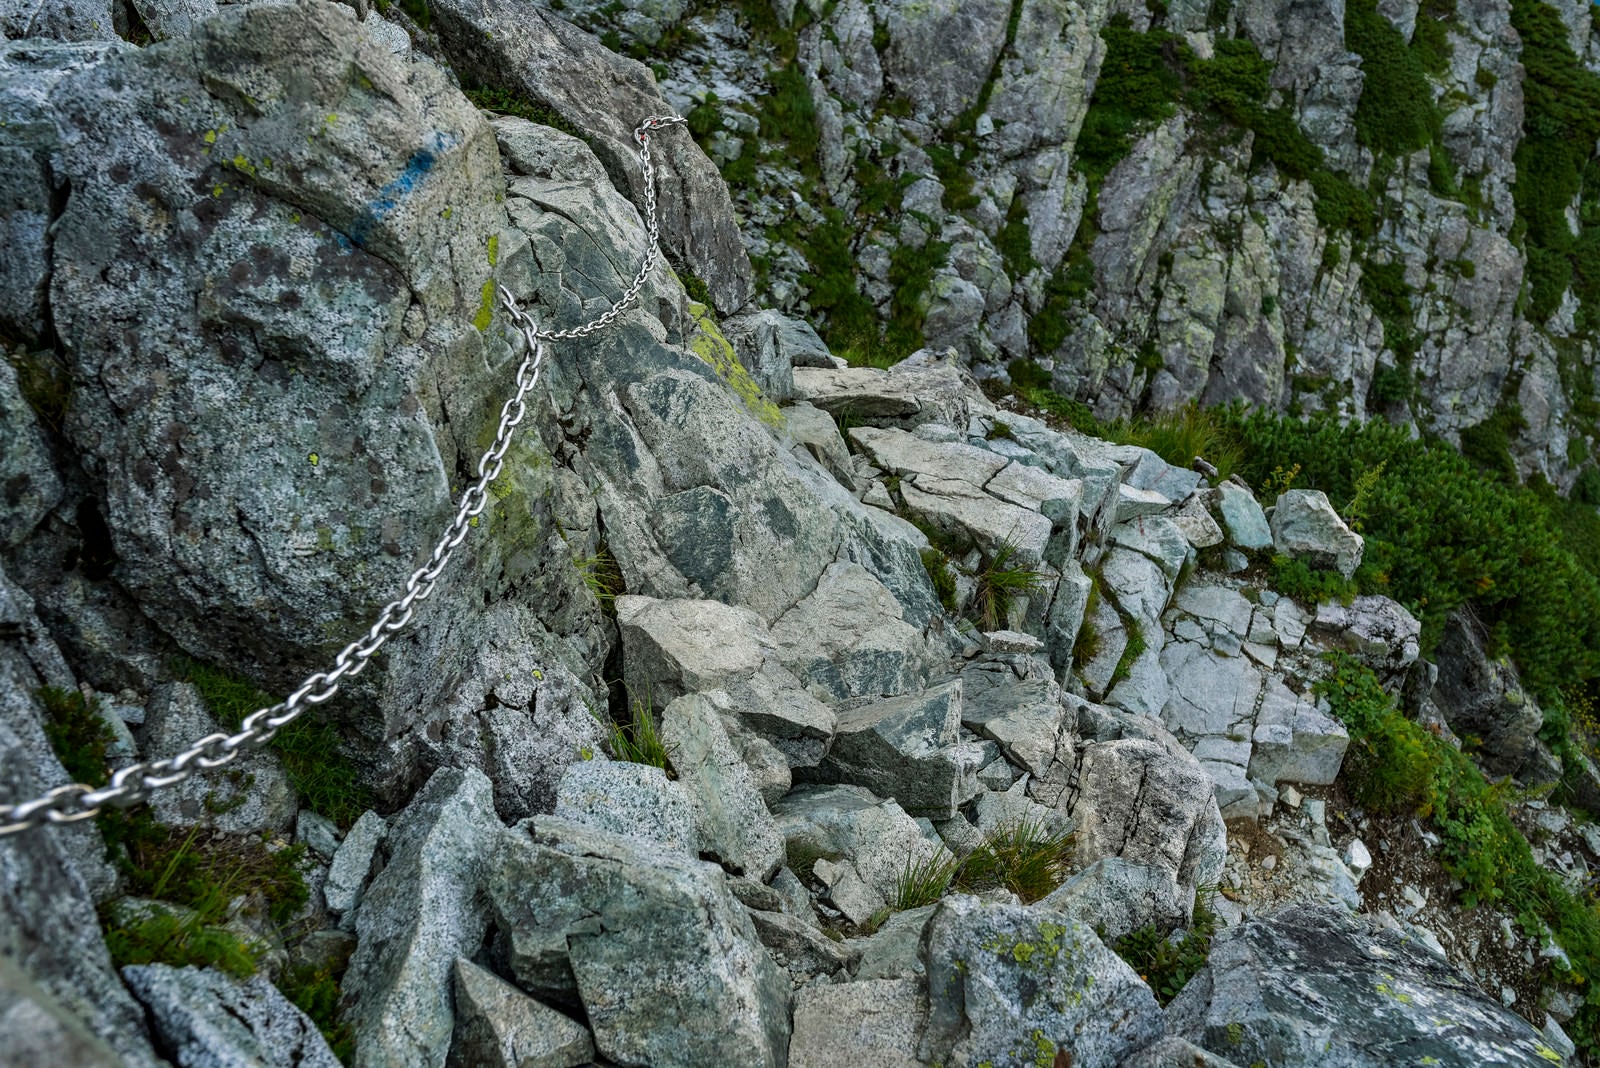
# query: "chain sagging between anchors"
{"type": "Point", "coordinates": [135, 783]}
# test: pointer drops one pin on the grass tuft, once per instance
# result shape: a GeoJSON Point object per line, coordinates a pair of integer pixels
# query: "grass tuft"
{"type": "Point", "coordinates": [1025, 858]}
{"type": "Point", "coordinates": [310, 747]}
{"type": "Point", "coordinates": [1001, 583]}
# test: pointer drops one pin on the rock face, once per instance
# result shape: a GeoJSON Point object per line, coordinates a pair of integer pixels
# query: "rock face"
{"type": "Point", "coordinates": [1305, 525]}
{"type": "Point", "coordinates": [426, 908]}
{"type": "Point", "coordinates": [501, 1027]}
{"type": "Point", "coordinates": [1010, 985]}
{"type": "Point", "coordinates": [1481, 697]}
{"type": "Point", "coordinates": [1315, 985]}
{"type": "Point", "coordinates": [207, 1019]}
{"type": "Point", "coordinates": [620, 925]}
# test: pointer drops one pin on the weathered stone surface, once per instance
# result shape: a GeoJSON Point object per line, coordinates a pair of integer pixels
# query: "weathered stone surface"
{"type": "Point", "coordinates": [814, 429]}
{"type": "Point", "coordinates": [1380, 632]}
{"type": "Point", "coordinates": [850, 638]}
{"type": "Point", "coordinates": [26, 472]}
{"type": "Point", "coordinates": [1305, 525]}
{"type": "Point", "coordinates": [672, 648]}
{"type": "Point", "coordinates": [905, 394]}
{"type": "Point", "coordinates": [848, 824]}
{"type": "Point", "coordinates": [553, 63]}
{"type": "Point", "coordinates": [874, 1023]}
{"type": "Point", "coordinates": [59, 20]}
{"type": "Point", "coordinates": [731, 821]}
{"type": "Point", "coordinates": [1482, 696]}
{"type": "Point", "coordinates": [894, 951]}
{"type": "Point", "coordinates": [1242, 518]}
{"type": "Point", "coordinates": [1024, 718]}
{"type": "Point", "coordinates": [209, 1020]}
{"type": "Point", "coordinates": [634, 800]}
{"type": "Point", "coordinates": [250, 795]}
{"type": "Point", "coordinates": [662, 956]}
{"type": "Point", "coordinates": [36, 1029]}
{"type": "Point", "coordinates": [1113, 897]}
{"type": "Point", "coordinates": [1175, 1052]}
{"type": "Point", "coordinates": [351, 865]}
{"type": "Point", "coordinates": [498, 1026]}
{"type": "Point", "coordinates": [773, 706]}
{"type": "Point", "coordinates": [1144, 804]}
{"type": "Point", "coordinates": [771, 344]}
{"type": "Point", "coordinates": [904, 748]}
{"type": "Point", "coordinates": [231, 510]}
{"type": "Point", "coordinates": [1295, 740]}
{"type": "Point", "coordinates": [1314, 985]}
{"type": "Point", "coordinates": [173, 18]}
{"type": "Point", "coordinates": [423, 910]}
{"type": "Point", "coordinates": [801, 949]}
{"type": "Point", "coordinates": [1011, 985]}
{"type": "Point", "coordinates": [50, 880]}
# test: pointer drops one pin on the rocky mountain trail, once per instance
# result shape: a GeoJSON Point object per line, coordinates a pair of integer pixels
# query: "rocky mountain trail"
{"type": "Point", "coordinates": [775, 710]}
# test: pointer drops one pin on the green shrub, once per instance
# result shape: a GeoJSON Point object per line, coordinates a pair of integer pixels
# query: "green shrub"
{"type": "Point", "coordinates": [1139, 85]}
{"type": "Point", "coordinates": [1384, 287]}
{"type": "Point", "coordinates": [639, 741]}
{"type": "Point", "coordinates": [315, 991]}
{"type": "Point", "coordinates": [1182, 436]}
{"type": "Point", "coordinates": [1166, 966]}
{"type": "Point", "coordinates": [1561, 123]}
{"type": "Point", "coordinates": [505, 102]}
{"type": "Point", "coordinates": [1000, 583]}
{"type": "Point", "coordinates": [78, 733]}
{"type": "Point", "coordinates": [1023, 857]}
{"type": "Point", "coordinates": [1295, 578]}
{"type": "Point", "coordinates": [1439, 536]}
{"type": "Point", "coordinates": [1396, 113]}
{"type": "Point", "coordinates": [943, 579]}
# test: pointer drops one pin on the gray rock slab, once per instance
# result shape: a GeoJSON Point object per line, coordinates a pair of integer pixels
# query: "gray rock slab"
{"type": "Point", "coordinates": [662, 956]}
{"type": "Point", "coordinates": [774, 705]}
{"type": "Point", "coordinates": [548, 60]}
{"type": "Point", "coordinates": [848, 822]}
{"type": "Point", "coordinates": [635, 800]}
{"type": "Point", "coordinates": [731, 821]}
{"type": "Point", "coordinates": [959, 510]}
{"type": "Point", "coordinates": [1149, 806]}
{"type": "Point", "coordinates": [251, 795]}
{"type": "Point", "coordinates": [906, 395]}
{"type": "Point", "coordinates": [208, 1019]}
{"type": "Point", "coordinates": [1242, 518]}
{"type": "Point", "coordinates": [671, 648]}
{"type": "Point", "coordinates": [1211, 694]}
{"type": "Point", "coordinates": [1175, 1052]}
{"type": "Point", "coordinates": [1294, 740]}
{"type": "Point", "coordinates": [801, 949]}
{"type": "Point", "coordinates": [1014, 985]}
{"type": "Point", "coordinates": [1316, 985]}
{"type": "Point", "coordinates": [815, 431]}
{"type": "Point", "coordinates": [873, 1023]}
{"type": "Point", "coordinates": [498, 1026]}
{"type": "Point", "coordinates": [1305, 526]}
{"type": "Point", "coordinates": [26, 470]}
{"type": "Point", "coordinates": [1113, 897]}
{"type": "Point", "coordinates": [904, 748]}
{"type": "Point", "coordinates": [894, 950]}
{"type": "Point", "coordinates": [906, 454]}
{"type": "Point", "coordinates": [849, 638]}
{"type": "Point", "coordinates": [1133, 502]}
{"type": "Point", "coordinates": [1024, 718]}
{"type": "Point", "coordinates": [37, 1029]}
{"type": "Point", "coordinates": [351, 865]}
{"type": "Point", "coordinates": [425, 909]}
{"type": "Point", "coordinates": [1158, 537]}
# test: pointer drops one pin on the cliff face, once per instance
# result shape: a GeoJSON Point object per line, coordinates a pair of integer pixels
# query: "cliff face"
{"type": "Point", "coordinates": [1374, 210]}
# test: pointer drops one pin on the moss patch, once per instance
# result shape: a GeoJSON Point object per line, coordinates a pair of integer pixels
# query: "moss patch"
{"type": "Point", "coordinates": [710, 345]}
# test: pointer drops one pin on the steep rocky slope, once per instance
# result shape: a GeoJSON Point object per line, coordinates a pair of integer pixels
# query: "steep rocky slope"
{"type": "Point", "coordinates": [775, 711]}
{"type": "Point", "coordinates": [1380, 210]}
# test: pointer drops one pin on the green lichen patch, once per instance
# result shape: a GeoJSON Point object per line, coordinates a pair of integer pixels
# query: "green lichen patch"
{"type": "Point", "coordinates": [716, 350]}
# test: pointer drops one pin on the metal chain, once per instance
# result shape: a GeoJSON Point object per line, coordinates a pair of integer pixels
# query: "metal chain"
{"type": "Point", "coordinates": [135, 783]}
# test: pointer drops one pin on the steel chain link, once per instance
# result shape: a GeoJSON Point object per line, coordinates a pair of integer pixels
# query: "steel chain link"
{"type": "Point", "coordinates": [133, 784]}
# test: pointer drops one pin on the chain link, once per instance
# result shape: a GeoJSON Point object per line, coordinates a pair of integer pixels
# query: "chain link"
{"type": "Point", "coordinates": [135, 783]}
